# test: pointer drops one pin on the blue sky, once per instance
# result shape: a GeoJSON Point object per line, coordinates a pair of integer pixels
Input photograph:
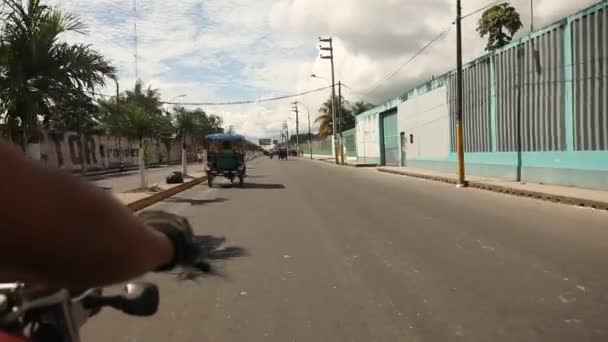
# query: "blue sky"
{"type": "Point", "coordinates": [229, 50]}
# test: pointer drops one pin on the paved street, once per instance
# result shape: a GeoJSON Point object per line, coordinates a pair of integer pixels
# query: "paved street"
{"type": "Point", "coordinates": [130, 180]}
{"type": "Point", "coordinates": [345, 254]}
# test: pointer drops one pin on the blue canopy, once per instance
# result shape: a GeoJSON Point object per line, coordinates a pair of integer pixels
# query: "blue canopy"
{"type": "Point", "coordinates": [225, 137]}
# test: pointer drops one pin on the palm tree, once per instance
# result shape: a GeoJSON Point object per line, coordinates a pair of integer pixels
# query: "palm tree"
{"type": "Point", "coordinates": [360, 107]}
{"type": "Point", "coordinates": [193, 123]}
{"type": "Point", "coordinates": [148, 99]}
{"type": "Point", "coordinates": [36, 68]}
{"type": "Point", "coordinates": [325, 119]}
{"type": "Point", "coordinates": [138, 123]}
{"type": "Point", "coordinates": [110, 112]}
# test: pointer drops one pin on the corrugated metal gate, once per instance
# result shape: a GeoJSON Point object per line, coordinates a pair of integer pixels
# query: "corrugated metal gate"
{"type": "Point", "coordinates": [590, 76]}
{"type": "Point", "coordinates": [390, 139]}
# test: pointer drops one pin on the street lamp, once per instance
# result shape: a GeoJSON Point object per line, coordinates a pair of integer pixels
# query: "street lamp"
{"type": "Point", "coordinates": [173, 99]}
{"type": "Point", "coordinates": [177, 97]}
{"type": "Point", "coordinates": [319, 77]}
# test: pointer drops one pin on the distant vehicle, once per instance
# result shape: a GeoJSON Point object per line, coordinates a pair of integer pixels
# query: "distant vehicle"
{"type": "Point", "coordinates": [226, 157]}
{"type": "Point", "coordinates": [283, 154]}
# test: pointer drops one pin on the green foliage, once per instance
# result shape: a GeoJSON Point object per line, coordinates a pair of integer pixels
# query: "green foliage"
{"type": "Point", "coordinates": [136, 114]}
{"type": "Point", "coordinates": [499, 23]}
{"type": "Point", "coordinates": [148, 99]}
{"type": "Point", "coordinates": [74, 111]}
{"type": "Point", "coordinates": [195, 123]}
{"type": "Point", "coordinates": [137, 123]}
{"type": "Point", "coordinates": [349, 112]}
{"type": "Point", "coordinates": [37, 69]}
{"type": "Point", "coordinates": [360, 107]}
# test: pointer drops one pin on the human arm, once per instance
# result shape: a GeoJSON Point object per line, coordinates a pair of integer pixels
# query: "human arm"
{"type": "Point", "coordinates": [58, 230]}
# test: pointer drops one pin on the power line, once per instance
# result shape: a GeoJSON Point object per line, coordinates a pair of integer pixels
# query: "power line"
{"type": "Point", "coordinates": [389, 76]}
{"type": "Point", "coordinates": [232, 103]}
{"type": "Point", "coordinates": [495, 3]}
{"type": "Point", "coordinates": [442, 34]}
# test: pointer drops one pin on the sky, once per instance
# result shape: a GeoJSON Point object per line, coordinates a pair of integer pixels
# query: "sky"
{"type": "Point", "coordinates": [234, 50]}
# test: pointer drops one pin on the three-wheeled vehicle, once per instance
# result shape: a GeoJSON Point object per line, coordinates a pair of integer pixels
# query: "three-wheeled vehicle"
{"type": "Point", "coordinates": [226, 157]}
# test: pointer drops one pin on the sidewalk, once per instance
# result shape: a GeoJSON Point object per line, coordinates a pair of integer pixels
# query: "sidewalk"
{"type": "Point", "coordinates": [596, 199]}
{"type": "Point", "coordinates": [139, 199]}
{"type": "Point", "coordinates": [331, 160]}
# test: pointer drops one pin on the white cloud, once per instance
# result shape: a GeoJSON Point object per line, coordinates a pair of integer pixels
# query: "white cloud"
{"type": "Point", "coordinates": [225, 50]}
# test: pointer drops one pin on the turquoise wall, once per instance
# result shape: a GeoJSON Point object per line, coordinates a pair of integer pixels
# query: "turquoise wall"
{"type": "Point", "coordinates": [568, 167]}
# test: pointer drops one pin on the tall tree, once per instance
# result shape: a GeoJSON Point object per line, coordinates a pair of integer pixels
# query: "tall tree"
{"type": "Point", "coordinates": [138, 123]}
{"type": "Point", "coordinates": [37, 68]}
{"type": "Point", "coordinates": [499, 23]}
{"type": "Point", "coordinates": [74, 111]}
{"type": "Point", "coordinates": [325, 119]}
{"type": "Point", "coordinates": [148, 99]}
{"type": "Point", "coordinates": [193, 123]}
{"type": "Point", "coordinates": [137, 114]}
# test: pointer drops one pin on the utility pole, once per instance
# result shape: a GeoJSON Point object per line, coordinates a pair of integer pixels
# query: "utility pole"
{"type": "Point", "coordinates": [119, 138]}
{"type": "Point", "coordinates": [459, 135]}
{"type": "Point", "coordinates": [287, 138]}
{"type": "Point", "coordinates": [297, 131]}
{"type": "Point", "coordinates": [333, 88]}
{"type": "Point", "coordinates": [531, 15]}
{"type": "Point", "coordinates": [295, 109]}
{"type": "Point", "coordinates": [340, 123]}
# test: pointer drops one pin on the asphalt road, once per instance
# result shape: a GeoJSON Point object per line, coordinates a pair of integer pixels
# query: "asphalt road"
{"type": "Point", "coordinates": [130, 180]}
{"type": "Point", "coordinates": [344, 254]}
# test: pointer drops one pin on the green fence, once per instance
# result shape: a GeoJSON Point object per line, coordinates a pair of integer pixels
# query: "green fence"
{"type": "Point", "coordinates": [350, 141]}
{"type": "Point", "coordinates": [323, 147]}
{"type": "Point", "coordinates": [319, 147]}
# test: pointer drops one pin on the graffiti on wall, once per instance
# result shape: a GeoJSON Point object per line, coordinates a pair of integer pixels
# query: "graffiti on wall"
{"type": "Point", "coordinates": [65, 150]}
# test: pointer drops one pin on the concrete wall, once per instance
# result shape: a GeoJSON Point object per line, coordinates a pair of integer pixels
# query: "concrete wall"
{"type": "Point", "coordinates": [62, 150]}
{"type": "Point", "coordinates": [425, 120]}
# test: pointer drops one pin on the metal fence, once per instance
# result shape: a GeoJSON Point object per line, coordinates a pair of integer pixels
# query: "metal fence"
{"type": "Point", "coordinates": [590, 81]}
{"type": "Point", "coordinates": [476, 107]}
{"type": "Point", "coordinates": [319, 147]}
{"type": "Point", "coordinates": [350, 142]}
{"type": "Point", "coordinates": [530, 94]}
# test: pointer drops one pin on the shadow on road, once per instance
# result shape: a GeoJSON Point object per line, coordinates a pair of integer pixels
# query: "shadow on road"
{"type": "Point", "coordinates": [194, 202]}
{"type": "Point", "coordinates": [263, 186]}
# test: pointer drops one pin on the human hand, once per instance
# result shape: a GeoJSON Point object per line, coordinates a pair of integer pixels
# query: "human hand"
{"type": "Point", "coordinates": [193, 254]}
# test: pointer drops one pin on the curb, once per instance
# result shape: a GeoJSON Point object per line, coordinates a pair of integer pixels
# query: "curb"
{"type": "Point", "coordinates": [148, 201]}
{"type": "Point", "coordinates": [331, 161]}
{"type": "Point", "coordinates": [151, 200]}
{"type": "Point", "coordinates": [580, 202]}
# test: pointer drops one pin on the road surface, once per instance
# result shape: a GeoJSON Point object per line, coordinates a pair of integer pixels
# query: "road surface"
{"type": "Point", "coordinates": [130, 180]}
{"type": "Point", "coordinates": [345, 254]}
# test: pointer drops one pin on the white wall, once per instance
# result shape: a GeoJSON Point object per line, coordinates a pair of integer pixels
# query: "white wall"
{"type": "Point", "coordinates": [427, 118]}
{"type": "Point", "coordinates": [368, 144]}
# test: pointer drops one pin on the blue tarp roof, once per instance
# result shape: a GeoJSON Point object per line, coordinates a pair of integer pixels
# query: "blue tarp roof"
{"type": "Point", "coordinates": [225, 136]}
